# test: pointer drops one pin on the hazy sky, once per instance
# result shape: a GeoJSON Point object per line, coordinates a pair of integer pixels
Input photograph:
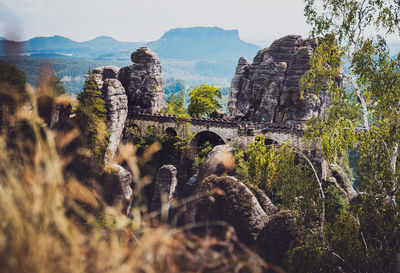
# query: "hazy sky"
{"type": "Point", "coordinates": [146, 20]}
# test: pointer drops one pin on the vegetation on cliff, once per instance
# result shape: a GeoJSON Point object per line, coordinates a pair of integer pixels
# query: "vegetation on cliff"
{"type": "Point", "coordinates": [12, 91]}
{"type": "Point", "coordinates": [91, 116]}
{"type": "Point", "coordinates": [339, 203]}
{"type": "Point", "coordinates": [363, 123]}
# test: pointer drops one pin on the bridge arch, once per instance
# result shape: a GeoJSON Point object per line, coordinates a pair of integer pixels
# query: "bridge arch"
{"type": "Point", "coordinates": [270, 141]}
{"type": "Point", "coordinates": [201, 138]}
{"type": "Point", "coordinates": [171, 132]}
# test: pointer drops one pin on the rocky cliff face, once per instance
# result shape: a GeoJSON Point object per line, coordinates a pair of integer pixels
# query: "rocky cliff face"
{"type": "Point", "coordinates": [165, 187]}
{"type": "Point", "coordinates": [116, 103]}
{"type": "Point", "coordinates": [211, 197]}
{"type": "Point", "coordinates": [143, 82]}
{"type": "Point", "coordinates": [118, 189]}
{"type": "Point", "coordinates": [268, 89]}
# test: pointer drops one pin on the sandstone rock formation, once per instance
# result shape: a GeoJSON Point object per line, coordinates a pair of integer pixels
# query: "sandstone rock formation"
{"type": "Point", "coordinates": [165, 187]}
{"type": "Point", "coordinates": [105, 72]}
{"type": "Point", "coordinates": [60, 115]}
{"type": "Point", "coordinates": [117, 111]}
{"type": "Point", "coordinates": [278, 235]}
{"type": "Point", "coordinates": [265, 202]}
{"type": "Point", "coordinates": [143, 81]}
{"type": "Point", "coordinates": [229, 200]}
{"type": "Point", "coordinates": [219, 160]}
{"type": "Point", "coordinates": [116, 104]}
{"type": "Point", "coordinates": [117, 187]}
{"type": "Point", "coordinates": [255, 219]}
{"type": "Point", "coordinates": [268, 89]}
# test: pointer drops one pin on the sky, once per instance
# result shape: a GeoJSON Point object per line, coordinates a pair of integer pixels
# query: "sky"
{"type": "Point", "coordinates": [147, 20]}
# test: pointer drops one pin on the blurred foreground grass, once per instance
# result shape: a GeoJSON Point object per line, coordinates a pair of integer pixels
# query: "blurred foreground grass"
{"type": "Point", "coordinates": [50, 221]}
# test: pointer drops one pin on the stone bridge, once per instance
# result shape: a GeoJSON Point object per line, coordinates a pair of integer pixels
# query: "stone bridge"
{"type": "Point", "coordinates": [218, 131]}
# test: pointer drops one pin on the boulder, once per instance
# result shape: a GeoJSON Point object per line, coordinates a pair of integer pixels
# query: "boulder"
{"type": "Point", "coordinates": [60, 115]}
{"type": "Point", "coordinates": [117, 187]}
{"type": "Point", "coordinates": [277, 237]}
{"type": "Point", "coordinates": [143, 82]}
{"type": "Point", "coordinates": [268, 89]}
{"type": "Point", "coordinates": [220, 160]}
{"type": "Point", "coordinates": [165, 187]}
{"type": "Point", "coordinates": [265, 202]}
{"type": "Point", "coordinates": [229, 200]}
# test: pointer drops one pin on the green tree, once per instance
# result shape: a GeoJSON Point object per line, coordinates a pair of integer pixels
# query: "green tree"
{"type": "Point", "coordinates": [364, 117]}
{"type": "Point", "coordinates": [283, 173]}
{"type": "Point", "coordinates": [12, 91]}
{"type": "Point", "coordinates": [56, 85]}
{"type": "Point", "coordinates": [91, 116]}
{"type": "Point", "coordinates": [204, 100]}
{"type": "Point", "coordinates": [201, 156]}
{"type": "Point", "coordinates": [176, 104]}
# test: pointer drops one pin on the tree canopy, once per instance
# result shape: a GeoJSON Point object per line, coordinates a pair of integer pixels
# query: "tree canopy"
{"type": "Point", "coordinates": [359, 139]}
{"type": "Point", "coordinates": [176, 104]}
{"type": "Point", "coordinates": [204, 100]}
{"type": "Point", "coordinates": [12, 91]}
{"type": "Point", "coordinates": [56, 85]}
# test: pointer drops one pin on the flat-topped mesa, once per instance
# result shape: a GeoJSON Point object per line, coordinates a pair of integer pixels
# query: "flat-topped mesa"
{"type": "Point", "coordinates": [268, 89]}
{"type": "Point", "coordinates": [143, 82]}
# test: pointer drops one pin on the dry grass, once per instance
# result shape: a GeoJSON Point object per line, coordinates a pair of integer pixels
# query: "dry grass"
{"type": "Point", "coordinates": [50, 222]}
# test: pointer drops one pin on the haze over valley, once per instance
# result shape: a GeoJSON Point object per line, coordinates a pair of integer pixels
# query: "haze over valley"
{"type": "Point", "coordinates": [190, 56]}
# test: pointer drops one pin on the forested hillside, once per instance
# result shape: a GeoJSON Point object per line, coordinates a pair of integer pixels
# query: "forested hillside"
{"type": "Point", "coordinates": [194, 55]}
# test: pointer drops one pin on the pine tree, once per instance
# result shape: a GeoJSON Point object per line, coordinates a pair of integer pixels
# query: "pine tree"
{"type": "Point", "coordinates": [56, 84]}
{"type": "Point", "coordinates": [91, 115]}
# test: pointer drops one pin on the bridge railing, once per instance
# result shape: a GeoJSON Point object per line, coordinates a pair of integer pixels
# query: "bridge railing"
{"type": "Point", "coordinates": [244, 127]}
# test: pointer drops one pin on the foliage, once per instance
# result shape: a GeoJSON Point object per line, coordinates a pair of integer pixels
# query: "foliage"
{"type": "Point", "coordinates": [176, 104]}
{"type": "Point", "coordinates": [349, 19]}
{"type": "Point", "coordinates": [361, 235]}
{"type": "Point", "coordinates": [91, 115]}
{"type": "Point", "coordinates": [12, 75]}
{"type": "Point", "coordinates": [51, 222]}
{"type": "Point", "coordinates": [56, 85]}
{"type": "Point", "coordinates": [12, 91]}
{"type": "Point", "coordinates": [142, 142]}
{"type": "Point", "coordinates": [201, 156]}
{"type": "Point", "coordinates": [204, 100]}
{"type": "Point", "coordinates": [280, 172]}
{"type": "Point", "coordinates": [241, 165]}
{"type": "Point", "coordinates": [176, 107]}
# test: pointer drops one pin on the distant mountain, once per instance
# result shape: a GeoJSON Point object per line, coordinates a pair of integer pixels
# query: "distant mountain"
{"type": "Point", "coordinates": [40, 44]}
{"type": "Point", "coordinates": [202, 43]}
{"type": "Point", "coordinates": [194, 55]}
{"type": "Point", "coordinates": [197, 55]}
{"type": "Point", "coordinates": [198, 44]}
{"type": "Point", "coordinates": [65, 46]}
